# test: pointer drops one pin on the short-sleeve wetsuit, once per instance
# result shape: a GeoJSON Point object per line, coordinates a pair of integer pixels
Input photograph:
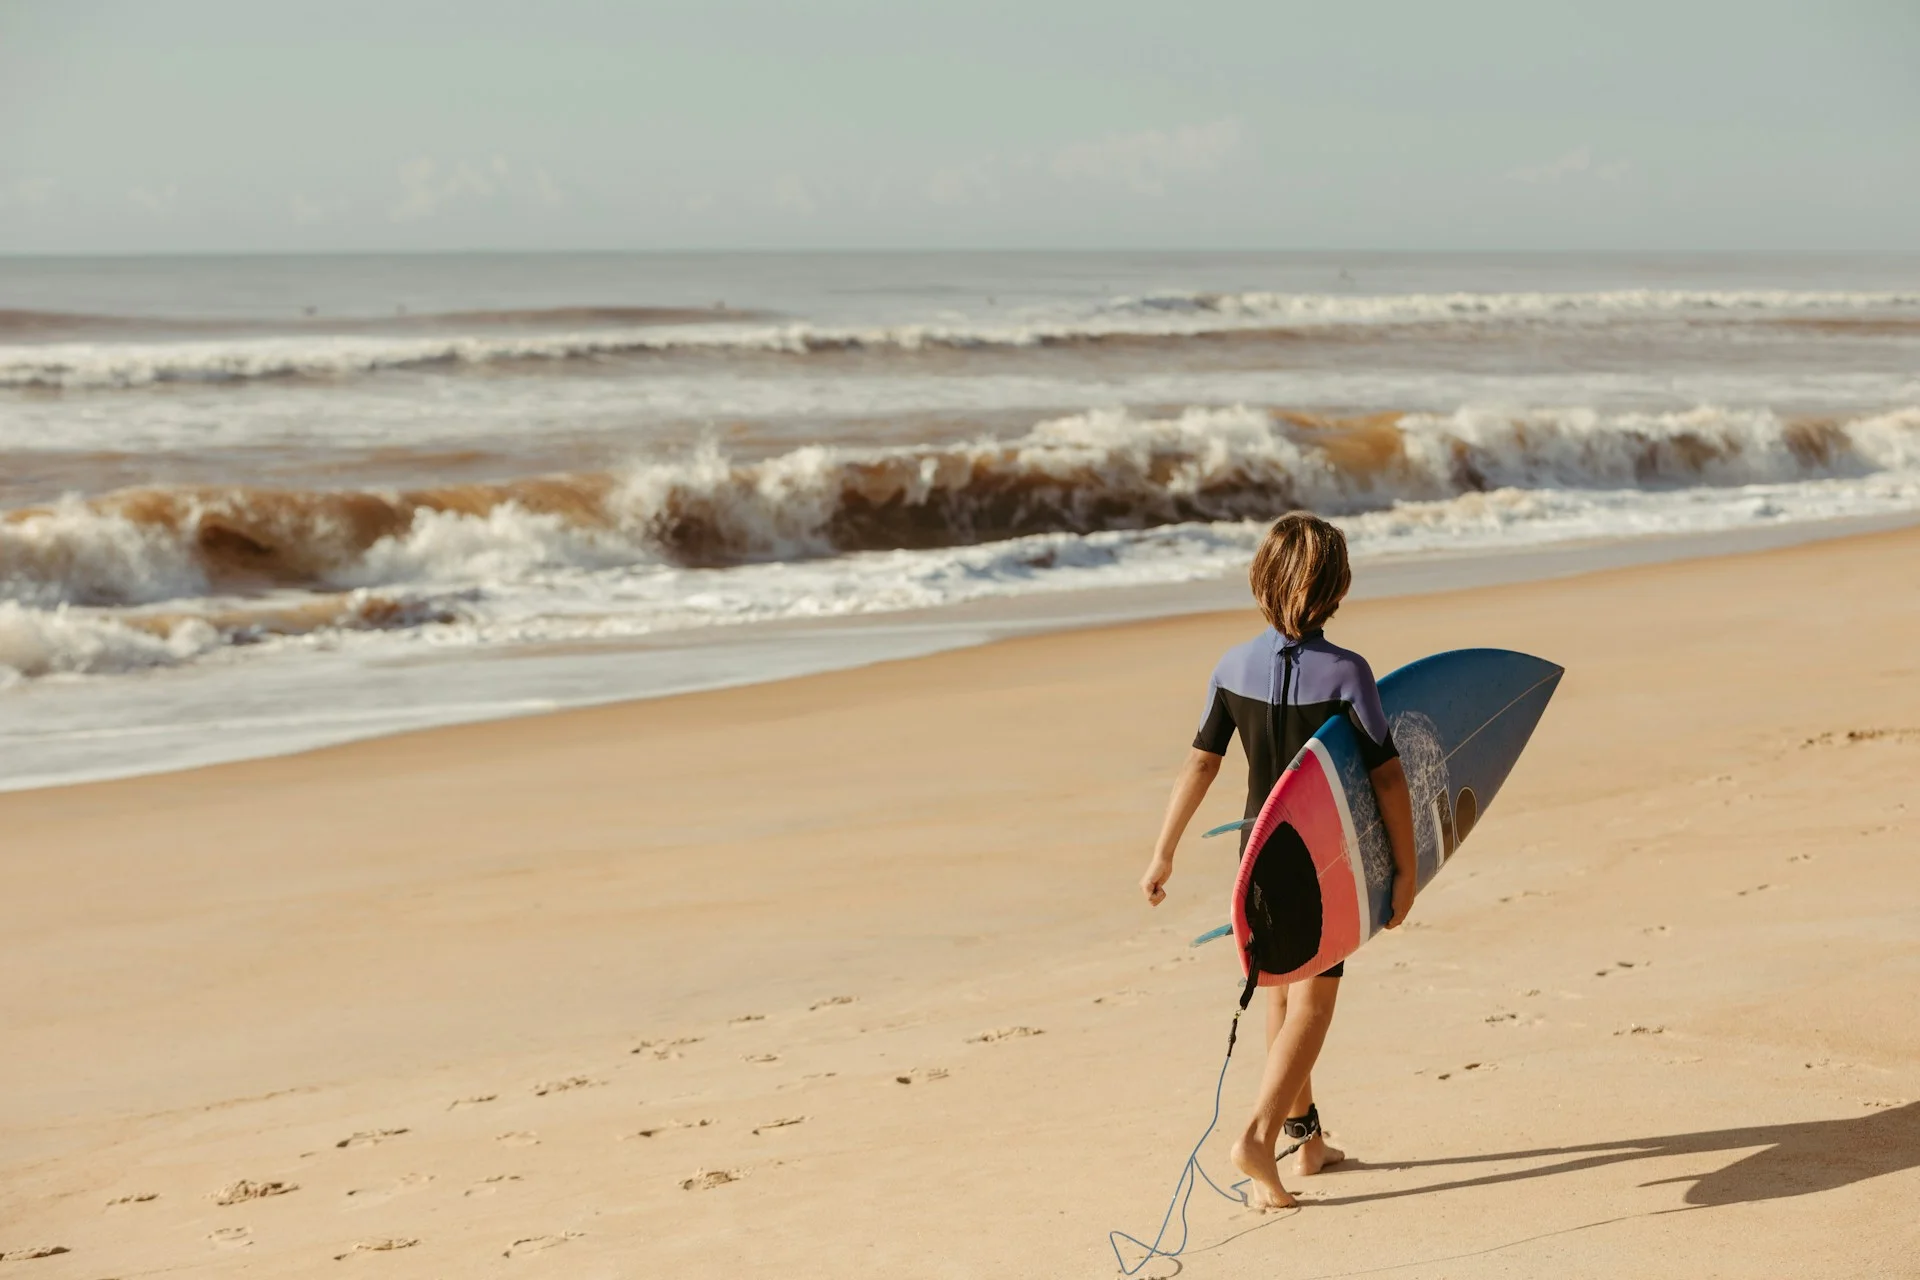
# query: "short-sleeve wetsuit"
{"type": "Point", "coordinates": [1276, 692]}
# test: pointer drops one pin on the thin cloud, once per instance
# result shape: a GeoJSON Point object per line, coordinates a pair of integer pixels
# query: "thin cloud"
{"type": "Point", "coordinates": [307, 211]}
{"type": "Point", "coordinates": [1147, 162]}
{"type": "Point", "coordinates": [27, 193]}
{"type": "Point", "coordinates": [791, 193]}
{"type": "Point", "coordinates": [154, 200]}
{"type": "Point", "coordinates": [1576, 163]}
{"type": "Point", "coordinates": [963, 184]}
{"type": "Point", "coordinates": [427, 187]}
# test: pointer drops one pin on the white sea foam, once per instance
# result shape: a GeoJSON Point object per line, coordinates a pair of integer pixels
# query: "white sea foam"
{"type": "Point", "coordinates": [72, 553]}
{"type": "Point", "coordinates": [65, 641]}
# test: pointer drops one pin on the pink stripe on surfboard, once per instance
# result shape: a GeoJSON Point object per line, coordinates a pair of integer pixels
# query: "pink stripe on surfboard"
{"type": "Point", "coordinates": [1308, 798]}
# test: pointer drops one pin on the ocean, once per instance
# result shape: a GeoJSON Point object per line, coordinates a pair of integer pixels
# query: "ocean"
{"type": "Point", "coordinates": [254, 504]}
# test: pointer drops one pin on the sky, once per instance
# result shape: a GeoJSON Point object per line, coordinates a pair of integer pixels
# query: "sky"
{"type": "Point", "coordinates": [287, 126]}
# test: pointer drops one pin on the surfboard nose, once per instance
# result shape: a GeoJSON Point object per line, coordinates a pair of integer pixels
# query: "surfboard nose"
{"type": "Point", "coordinates": [1514, 690]}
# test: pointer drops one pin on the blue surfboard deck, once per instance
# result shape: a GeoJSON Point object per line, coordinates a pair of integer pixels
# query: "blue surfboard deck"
{"type": "Point", "coordinates": [1460, 720]}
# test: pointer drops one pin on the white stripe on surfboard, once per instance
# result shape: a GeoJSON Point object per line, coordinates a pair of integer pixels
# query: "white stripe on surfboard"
{"type": "Point", "coordinates": [1362, 900]}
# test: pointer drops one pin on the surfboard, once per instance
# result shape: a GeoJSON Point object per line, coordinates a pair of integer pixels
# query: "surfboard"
{"type": "Point", "coordinates": [1460, 720]}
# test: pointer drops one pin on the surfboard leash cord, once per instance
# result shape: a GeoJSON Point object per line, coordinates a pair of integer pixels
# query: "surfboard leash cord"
{"type": "Point", "coordinates": [1192, 1173]}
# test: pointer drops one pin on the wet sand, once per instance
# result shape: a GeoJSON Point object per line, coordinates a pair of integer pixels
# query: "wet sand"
{"type": "Point", "coordinates": [848, 975]}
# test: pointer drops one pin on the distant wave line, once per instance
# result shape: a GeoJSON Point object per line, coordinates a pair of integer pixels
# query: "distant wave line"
{"type": "Point", "coordinates": [1167, 320]}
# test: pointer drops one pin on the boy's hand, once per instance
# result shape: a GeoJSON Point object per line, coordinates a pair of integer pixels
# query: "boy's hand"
{"type": "Point", "coordinates": [1402, 900]}
{"type": "Point", "coordinates": [1154, 883]}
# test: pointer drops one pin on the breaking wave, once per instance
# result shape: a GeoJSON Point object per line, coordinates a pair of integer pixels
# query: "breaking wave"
{"type": "Point", "coordinates": [1170, 319]}
{"type": "Point", "coordinates": [1083, 474]}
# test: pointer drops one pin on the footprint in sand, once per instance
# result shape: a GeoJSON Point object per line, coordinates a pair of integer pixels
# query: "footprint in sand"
{"type": "Point", "coordinates": [141, 1198]}
{"type": "Point", "coordinates": [1471, 1066]}
{"type": "Point", "coordinates": [1005, 1033]}
{"type": "Point", "coordinates": [519, 1138]}
{"type": "Point", "coordinates": [231, 1237]}
{"type": "Point", "coordinates": [33, 1251]}
{"type": "Point", "coordinates": [398, 1187]}
{"type": "Point", "coordinates": [746, 1017]}
{"type": "Point", "coordinates": [671, 1125]}
{"type": "Point", "coordinates": [771, 1125]}
{"type": "Point", "coordinates": [488, 1186]}
{"type": "Point", "coordinates": [828, 1003]}
{"type": "Point", "coordinates": [242, 1191]}
{"type": "Point", "coordinates": [474, 1101]}
{"type": "Point", "coordinates": [1864, 735]}
{"type": "Point", "coordinates": [370, 1137]}
{"type": "Point", "coordinates": [661, 1050]}
{"type": "Point", "coordinates": [534, 1244]}
{"type": "Point", "coordinates": [922, 1073]}
{"type": "Point", "coordinates": [562, 1086]}
{"type": "Point", "coordinates": [1657, 930]}
{"type": "Point", "coordinates": [1636, 1029]}
{"type": "Point", "coordinates": [708, 1179]}
{"type": "Point", "coordinates": [386, 1245]}
{"type": "Point", "coordinates": [761, 1059]}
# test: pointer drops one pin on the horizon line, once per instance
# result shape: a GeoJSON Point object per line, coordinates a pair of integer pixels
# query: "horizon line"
{"type": "Point", "coordinates": [1030, 250]}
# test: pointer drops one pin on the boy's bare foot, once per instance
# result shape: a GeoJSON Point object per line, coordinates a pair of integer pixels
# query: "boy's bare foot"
{"type": "Point", "coordinates": [1266, 1193]}
{"type": "Point", "coordinates": [1316, 1154]}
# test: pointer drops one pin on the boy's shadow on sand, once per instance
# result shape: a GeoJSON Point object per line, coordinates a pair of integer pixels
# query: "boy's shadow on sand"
{"type": "Point", "coordinates": [1793, 1160]}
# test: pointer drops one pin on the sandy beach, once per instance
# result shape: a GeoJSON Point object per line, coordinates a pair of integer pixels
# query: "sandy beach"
{"type": "Point", "coordinates": [848, 975]}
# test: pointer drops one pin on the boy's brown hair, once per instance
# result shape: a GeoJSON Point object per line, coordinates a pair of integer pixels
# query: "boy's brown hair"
{"type": "Point", "coordinates": [1300, 573]}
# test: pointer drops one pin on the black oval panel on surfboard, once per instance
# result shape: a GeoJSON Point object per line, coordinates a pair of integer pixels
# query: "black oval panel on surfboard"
{"type": "Point", "coordinates": [1283, 904]}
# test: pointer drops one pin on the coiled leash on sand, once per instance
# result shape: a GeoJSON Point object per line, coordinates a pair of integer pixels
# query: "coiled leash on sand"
{"type": "Point", "coordinates": [1192, 1173]}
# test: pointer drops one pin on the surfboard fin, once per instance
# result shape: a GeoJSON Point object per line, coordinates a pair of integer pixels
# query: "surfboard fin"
{"type": "Point", "coordinates": [1225, 827]}
{"type": "Point", "coordinates": [1211, 934]}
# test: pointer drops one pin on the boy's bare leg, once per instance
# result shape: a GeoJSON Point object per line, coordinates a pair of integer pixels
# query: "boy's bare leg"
{"type": "Point", "coordinates": [1290, 1055]}
{"type": "Point", "coordinates": [1316, 1153]}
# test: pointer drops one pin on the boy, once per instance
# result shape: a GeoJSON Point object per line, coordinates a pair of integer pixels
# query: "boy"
{"type": "Point", "coordinates": [1275, 691]}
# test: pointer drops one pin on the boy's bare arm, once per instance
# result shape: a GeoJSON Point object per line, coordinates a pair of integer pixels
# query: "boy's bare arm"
{"type": "Point", "coordinates": [1189, 789]}
{"type": "Point", "coordinates": [1396, 810]}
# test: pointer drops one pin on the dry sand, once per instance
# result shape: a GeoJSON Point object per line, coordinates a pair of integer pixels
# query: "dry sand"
{"type": "Point", "coordinates": [848, 976]}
